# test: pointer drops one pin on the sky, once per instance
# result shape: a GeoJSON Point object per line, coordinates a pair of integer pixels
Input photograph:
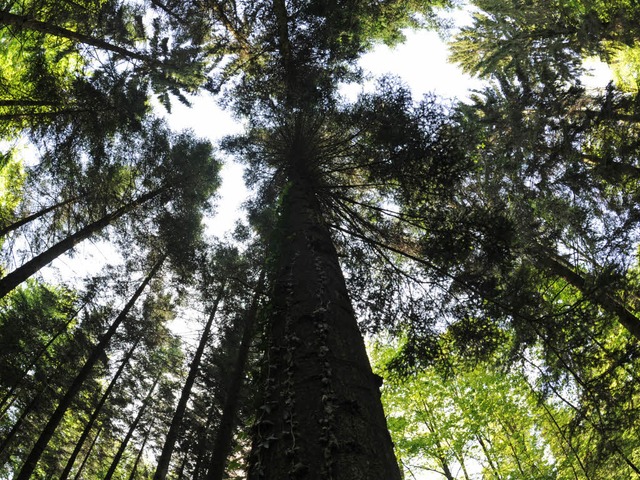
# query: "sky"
{"type": "Point", "coordinates": [421, 62]}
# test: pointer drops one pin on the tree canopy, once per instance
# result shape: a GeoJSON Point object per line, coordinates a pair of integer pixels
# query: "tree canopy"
{"type": "Point", "coordinates": [486, 248]}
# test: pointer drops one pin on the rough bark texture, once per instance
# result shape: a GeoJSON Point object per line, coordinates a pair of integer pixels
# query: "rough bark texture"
{"type": "Point", "coordinates": [321, 417]}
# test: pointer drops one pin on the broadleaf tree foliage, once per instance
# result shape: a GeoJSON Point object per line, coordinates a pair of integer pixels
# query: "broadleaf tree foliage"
{"type": "Point", "coordinates": [489, 246]}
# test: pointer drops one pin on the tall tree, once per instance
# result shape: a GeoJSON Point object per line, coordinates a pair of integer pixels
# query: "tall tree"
{"type": "Point", "coordinates": [64, 403]}
{"type": "Point", "coordinates": [176, 422]}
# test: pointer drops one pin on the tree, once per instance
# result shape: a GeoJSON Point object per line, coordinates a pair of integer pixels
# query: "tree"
{"type": "Point", "coordinates": [176, 421]}
{"type": "Point", "coordinates": [500, 231]}
{"type": "Point", "coordinates": [64, 403]}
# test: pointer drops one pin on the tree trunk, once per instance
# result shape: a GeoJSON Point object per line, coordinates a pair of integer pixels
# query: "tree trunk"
{"type": "Point", "coordinates": [86, 457]}
{"type": "Point", "coordinates": [27, 102]}
{"type": "Point", "coordinates": [96, 412]}
{"type": "Point", "coordinates": [134, 469]}
{"type": "Point", "coordinates": [132, 428]}
{"type": "Point", "coordinates": [97, 351]}
{"type": "Point", "coordinates": [604, 300]}
{"type": "Point", "coordinates": [34, 216]}
{"type": "Point", "coordinates": [321, 416]}
{"type": "Point", "coordinates": [34, 362]}
{"type": "Point", "coordinates": [30, 407]}
{"type": "Point", "coordinates": [199, 470]}
{"type": "Point", "coordinates": [22, 22]}
{"type": "Point", "coordinates": [176, 422]}
{"type": "Point", "coordinates": [611, 170]}
{"type": "Point", "coordinates": [224, 436]}
{"type": "Point", "coordinates": [20, 274]}
{"type": "Point", "coordinates": [487, 455]}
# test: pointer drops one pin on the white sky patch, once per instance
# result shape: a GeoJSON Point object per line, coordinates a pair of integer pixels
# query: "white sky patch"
{"type": "Point", "coordinates": [598, 73]}
{"type": "Point", "coordinates": [422, 62]}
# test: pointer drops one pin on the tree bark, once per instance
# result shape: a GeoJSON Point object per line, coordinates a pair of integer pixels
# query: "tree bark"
{"type": "Point", "coordinates": [5, 400]}
{"type": "Point", "coordinates": [97, 351]}
{"type": "Point", "coordinates": [23, 272]}
{"type": "Point", "coordinates": [321, 416]}
{"type": "Point", "coordinates": [34, 216]}
{"type": "Point", "coordinates": [21, 22]}
{"type": "Point", "coordinates": [132, 428]}
{"type": "Point", "coordinates": [134, 469]}
{"type": "Point", "coordinates": [86, 457]}
{"type": "Point", "coordinates": [6, 441]}
{"type": "Point", "coordinates": [223, 442]}
{"type": "Point", "coordinates": [96, 412]}
{"type": "Point", "coordinates": [176, 422]}
{"type": "Point", "coordinates": [604, 300]}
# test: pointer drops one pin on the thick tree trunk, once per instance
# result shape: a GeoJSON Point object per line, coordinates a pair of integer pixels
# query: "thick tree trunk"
{"type": "Point", "coordinates": [21, 22]}
{"type": "Point", "coordinates": [55, 419]}
{"type": "Point", "coordinates": [223, 443]}
{"type": "Point", "coordinates": [96, 412]}
{"type": "Point", "coordinates": [321, 416]}
{"type": "Point", "coordinates": [23, 272]}
{"type": "Point", "coordinates": [132, 428]}
{"type": "Point", "coordinates": [34, 216]}
{"type": "Point", "coordinates": [176, 422]}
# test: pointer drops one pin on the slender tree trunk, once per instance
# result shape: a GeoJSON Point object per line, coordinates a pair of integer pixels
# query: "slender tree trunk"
{"type": "Point", "coordinates": [487, 455]}
{"type": "Point", "coordinates": [176, 422]}
{"type": "Point", "coordinates": [223, 442]}
{"type": "Point", "coordinates": [564, 440]}
{"type": "Point", "coordinates": [612, 170]}
{"type": "Point", "coordinates": [21, 22]}
{"type": "Point", "coordinates": [6, 442]}
{"type": "Point", "coordinates": [86, 457]}
{"type": "Point", "coordinates": [26, 102]}
{"type": "Point", "coordinates": [6, 117]}
{"type": "Point", "coordinates": [37, 357]}
{"type": "Point", "coordinates": [183, 467]}
{"type": "Point", "coordinates": [97, 351]}
{"type": "Point", "coordinates": [34, 216]}
{"type": "Point", "coordinates": [96, 412]}
{"type": "Point", "coordinates": [20, 274]}
{"type": "Point", "coordinates": [605, 300]}
{"type": "Point", "coordinates": [134, 469]}
{"type": "Point", "coordinates": [199, 471]}
{"type": "Point", "coordinates": [439, 453]}
{"type": "Point", "coordinates": [321, 416]}
{"type": "Point", "coordinates": [132, 428]}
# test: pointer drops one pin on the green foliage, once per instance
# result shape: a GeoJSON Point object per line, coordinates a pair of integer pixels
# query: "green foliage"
{"type": "Point", "coordinates": [12, 178]}
{"type": "Point", "coordinates": [481, 420]}
{"type": "Point", "coordinates": [625, 65]}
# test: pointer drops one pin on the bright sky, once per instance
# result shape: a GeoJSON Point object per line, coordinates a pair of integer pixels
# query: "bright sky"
{"type": "Point", "coordinates": [421, 62]}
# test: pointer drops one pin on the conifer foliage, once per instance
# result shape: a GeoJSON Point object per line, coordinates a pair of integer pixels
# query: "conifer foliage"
{"type": "Point", "coordinates": [489, 245]}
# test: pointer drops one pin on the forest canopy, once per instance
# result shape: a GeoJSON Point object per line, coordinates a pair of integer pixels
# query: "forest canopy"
{"type": "Point", "coordinates": [485, 248]}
